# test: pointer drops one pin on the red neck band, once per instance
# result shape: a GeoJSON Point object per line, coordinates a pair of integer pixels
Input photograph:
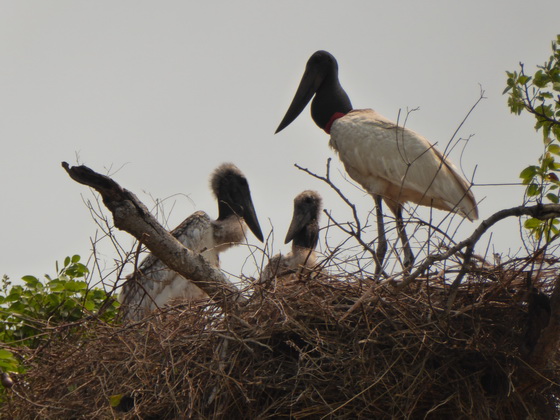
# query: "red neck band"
{"type": "Point", "coordinates": [334, 117]}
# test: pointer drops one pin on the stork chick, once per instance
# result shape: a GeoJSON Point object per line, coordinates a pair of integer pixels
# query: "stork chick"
{"type": "Point", "coordinates": [154, 285]}
{"type": "Point", "coordinates": [304, 235]}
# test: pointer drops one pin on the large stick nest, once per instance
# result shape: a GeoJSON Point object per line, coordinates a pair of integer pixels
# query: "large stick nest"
{"type": "Point", "coordinates": [309, 347]}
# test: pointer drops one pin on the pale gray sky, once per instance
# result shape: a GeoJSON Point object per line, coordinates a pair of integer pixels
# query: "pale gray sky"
{"type": "Point", "coordinates": [165, 91]}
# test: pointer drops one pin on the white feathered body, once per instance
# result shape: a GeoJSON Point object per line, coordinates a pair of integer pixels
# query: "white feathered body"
{"type": "Point", "coordinates": [153, 285]}
{"type": "Point", "coordinates": [398, 164]}
{"type": "Point", "coordinates": [291, 265]}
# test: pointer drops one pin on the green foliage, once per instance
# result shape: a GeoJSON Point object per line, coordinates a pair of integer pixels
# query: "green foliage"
{"type": "Point", "coordinates": [539, 95]}
{"type": "Point", "coordinates": [30, 312]}
{"type": "Point", "coordinates": [8, 362]}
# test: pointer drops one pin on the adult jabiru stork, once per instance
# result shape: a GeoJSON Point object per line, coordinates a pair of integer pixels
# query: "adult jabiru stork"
{"type": "Point", "coordinates": [392, 163]}
{"type": "Point", "coordinates": [153, 285]}
{"type": "Point", "coordinates": [304, 235]}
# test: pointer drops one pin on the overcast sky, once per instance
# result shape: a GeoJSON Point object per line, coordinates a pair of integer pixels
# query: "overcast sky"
{"type": "Point", "coordinates": [158, 94]}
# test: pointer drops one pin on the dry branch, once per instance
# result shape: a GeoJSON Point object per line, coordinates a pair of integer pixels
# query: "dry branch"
{"type": "Point", "coordinates": [540, 211]}
{"type": "Point", "coordinates": [132, 216]}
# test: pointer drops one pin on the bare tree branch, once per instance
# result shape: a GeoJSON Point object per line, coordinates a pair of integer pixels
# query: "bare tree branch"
{"type": "Point", "coordinates": [132, 216]}
{"type": "Point", "coordinates": [540, 211]}
{"type": "Point", "coordinates": [357, 232]}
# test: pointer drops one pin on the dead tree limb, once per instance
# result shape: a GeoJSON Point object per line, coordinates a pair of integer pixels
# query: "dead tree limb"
{"type": "Point", "coordinates": [130, 215]}
{"type": "Point", "coordinates": [540, 211]}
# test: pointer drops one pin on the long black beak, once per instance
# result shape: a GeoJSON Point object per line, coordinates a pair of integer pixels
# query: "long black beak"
{"type": "Point", "coordinates": [310, 82]}
{"type": "Point", "coordinates": [299, 222]}
{"type": "Point", "coordinates": [250, 217]}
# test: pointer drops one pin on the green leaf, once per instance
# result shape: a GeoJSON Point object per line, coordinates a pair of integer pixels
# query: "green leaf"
{"type": "Point", "coordinates": [89, 305]}
{"type": "Point", "coordinates": [56, 285]}
{"type": "Point", "coordinates": [528, 173]}
{"type": "Point", "coordinates": [523, 80]}
{"type": "Point", "coordinates": [556, 131]}
{"type": "Point", "coordinates": [552, 197]}
{"type": "Point", "coordinates": [76, 270]}
{"type": "Point", "coordinates": [115, 400]}
{"type": "Point", "coordinates": [8, 362]}
{"type": "Point", "coordinates": [15, 294]}
{"type": "Point", "coordinates": [74, 286]}
{"type": "Point", "coordinates": [554, 149]}
{"type": "Point", "coordinates": [30, 280]}
{"type": "Point", "coordinates": [532, 223]}
{"type": "Point", "coordinates": [534, 190]}
{"type": "Point", "coordinates": [547, 162]}
{"type": "Point", "coordinates": [53, 300]}
{"type": "Point", "coordinates": [5, 354]}
{"type": "Point", "coordinates": [541, 79]}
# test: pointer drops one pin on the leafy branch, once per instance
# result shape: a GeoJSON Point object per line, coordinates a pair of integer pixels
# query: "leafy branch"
{"type": "Point", "coordinates": [539, 95]}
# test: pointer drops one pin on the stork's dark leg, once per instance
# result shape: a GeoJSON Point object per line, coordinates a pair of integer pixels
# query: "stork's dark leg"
{"type": "Point", "coordinates": [408, 260]}
{"type": "Point", "coordinates": [381, 239]}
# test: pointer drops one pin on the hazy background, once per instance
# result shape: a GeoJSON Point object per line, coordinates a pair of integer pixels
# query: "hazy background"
{"type": "Point", "coordinates": [157, 94]}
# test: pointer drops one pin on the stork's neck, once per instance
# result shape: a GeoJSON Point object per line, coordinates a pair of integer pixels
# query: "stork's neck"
{"type": "Point", "coordinates": [330, 103]}
{"type": "Point", "coordinates": [229, 227]}
{"type": "Point", "coordinates": [334, 117]}
{"type": "Point", "coordinates": [229, 231]}
{"type": "Point", "coordinates": [225, 210]}
{"type": "Point", "coordinates": [304, 243]}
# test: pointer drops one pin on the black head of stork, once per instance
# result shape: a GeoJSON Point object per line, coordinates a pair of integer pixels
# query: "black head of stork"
{"type": "Point", "coordinates": [234, 197]}
{"type": "Point", "coordinates": [320, 79]}
{"type": "Point", "coordinates": [304, 229]}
